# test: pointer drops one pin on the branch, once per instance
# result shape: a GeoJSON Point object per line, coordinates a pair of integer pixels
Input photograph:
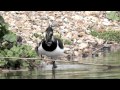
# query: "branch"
{"type": "Point", "coordinates": [60, 61]}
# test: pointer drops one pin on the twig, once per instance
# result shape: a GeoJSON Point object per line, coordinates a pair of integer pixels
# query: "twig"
{"type": "Point", "coordinates": [60, 61]}
{"type": "Point", "coordinates": [29, 58]}
{"type": "Point", "coordinates": [97, 49]}
{"type": "Point", "coordinates": [19, 58]}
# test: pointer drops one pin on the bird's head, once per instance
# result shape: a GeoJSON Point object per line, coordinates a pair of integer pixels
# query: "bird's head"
{"type": "Point", "coordinates": [49, 35]}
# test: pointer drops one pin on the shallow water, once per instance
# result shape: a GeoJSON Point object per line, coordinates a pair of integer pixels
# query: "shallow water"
{"type": "Point", "coordinates": [93, 68]}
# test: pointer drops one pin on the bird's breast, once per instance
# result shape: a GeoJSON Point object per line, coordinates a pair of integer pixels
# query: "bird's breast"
{"type": "Point", "coordinates": [52, 51]}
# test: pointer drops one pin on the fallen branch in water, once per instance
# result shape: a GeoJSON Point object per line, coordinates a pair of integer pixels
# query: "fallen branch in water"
{"type": "Point", "coordinates": [31, 59]}
{"type": "Point", "coordinates": [18, 58]}
{"type": "Point", "coordinates": [6, 70]}
{"type": "Point", "coordinates": [77, 62]}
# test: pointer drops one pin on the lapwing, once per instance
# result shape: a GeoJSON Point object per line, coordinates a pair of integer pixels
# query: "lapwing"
{"type": "Point", "coordinates": [50, 46]}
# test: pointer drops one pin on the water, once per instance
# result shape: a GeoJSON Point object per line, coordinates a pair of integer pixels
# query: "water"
{"type": "Point", "coordinates": [93, 68]}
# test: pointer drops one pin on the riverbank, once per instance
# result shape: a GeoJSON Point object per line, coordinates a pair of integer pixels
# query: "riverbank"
{"type": "Point", "coordinates": [73, 26]}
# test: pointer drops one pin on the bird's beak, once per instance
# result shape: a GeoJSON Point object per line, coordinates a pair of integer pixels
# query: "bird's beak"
{"type": "Point", "coordinates": [47, 37]}
{"type": "Point", "coordinates": [49, 43]}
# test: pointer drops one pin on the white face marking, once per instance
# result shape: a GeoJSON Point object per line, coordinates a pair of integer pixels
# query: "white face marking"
{"type": "Point", "coordinates": [44, 34]}
{"type": "Point", "coordinates": [53, 38]}
{"type": "Point", "coordinates": [55, 53]}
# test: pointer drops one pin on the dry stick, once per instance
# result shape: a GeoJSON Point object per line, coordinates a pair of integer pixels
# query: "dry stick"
{"type": "Point", "coordinates": [99, 48]}
{"type": "Point", "coordinates": [61, 60]}
{"type": "Point", "coordinates": [18, 58]}
{"type": "Point", "coordinates": [27, 58]}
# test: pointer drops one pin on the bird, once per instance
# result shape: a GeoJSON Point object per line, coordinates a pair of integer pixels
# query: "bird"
{"type": "Point", "coordinates": [50, 46]}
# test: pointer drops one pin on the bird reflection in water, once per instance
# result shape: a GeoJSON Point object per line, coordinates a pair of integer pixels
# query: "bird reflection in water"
{"type": "Point", "coordinates": [53, 73]}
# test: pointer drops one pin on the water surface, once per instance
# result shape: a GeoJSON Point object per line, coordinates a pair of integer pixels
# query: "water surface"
{"type": "Point", "coordinates": [94, 68]}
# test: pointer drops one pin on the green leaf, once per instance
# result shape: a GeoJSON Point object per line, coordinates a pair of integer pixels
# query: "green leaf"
{"type": "Point", "coordinates": [10, 37]}
{"type": "Point", "coordinates": [1, 55]}
{"type": "Point", "coordinates": [2, 19]}
{"type": "Point", "coordinates": [9, 53]}
{"type": "Point", "coordinates": [113, 15]}
{"type": "Point", "coordinates": [15, 49]}
{"type": "Point", "coordinates": [6, 26]}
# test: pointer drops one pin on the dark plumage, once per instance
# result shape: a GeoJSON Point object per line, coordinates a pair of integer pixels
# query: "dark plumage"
{"type": "Point", "coordinates": [50, 46]}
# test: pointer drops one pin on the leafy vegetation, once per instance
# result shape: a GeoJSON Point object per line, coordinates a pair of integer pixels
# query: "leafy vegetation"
{"type": "Point", "coordinates": [107, 35]}
{"type": "Point", "coordinates": [36, 35]}
{"type": "Point", "coordinates": [113, 15]}
{"type": "Point", "coordinates": [11, 46]}
{"type": "Point", "coordinates": [67, 42]}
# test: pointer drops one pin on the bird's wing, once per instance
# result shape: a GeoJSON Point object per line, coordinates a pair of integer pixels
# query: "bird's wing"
{"type": "Point", "coordinates": [60, 43]}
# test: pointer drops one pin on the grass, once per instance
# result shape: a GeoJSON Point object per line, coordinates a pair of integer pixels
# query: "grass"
{"type": "Point", "coordinates": [110, 35]}
{"type": "Point", "coordinates": [113, 15]}
{"type": "Point", "coordinates": [67, 42]}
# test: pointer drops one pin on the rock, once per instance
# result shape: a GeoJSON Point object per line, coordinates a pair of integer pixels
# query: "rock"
{"type": "Point", "coordinates": [43, 17]}
{"type": "Point", "coordinates": [87, 13]}
{"type": "Point", "coordinates": [66, 49]}
{"type": "Point", "coordinates": [83, 45]}
{"type": "Point", "coordinates": [51, 17]}
{"type": "Point", "coordinates": [69, 35]}
{"type": "Point", "coordinates": [99, 41]}
{"type": "Point", "coordinates": [77, 17]}
{"type": "Point", "coordinates": [75, 36]}
{"type": "Point", "coordinates": [76, 59]}
{"type": "Point", "coordinates": [54, 23]}
{"type": "Point", "coordinates": [69, 57]}
{"type": "Point", "coordinates": [84, 55]}
{"type": "Point", "coordinates": [106, 22]}
{"type": "Point", "coordinates": [87, 50]}
{"type": "Point", "coordinates": [79, 41]}
{"type": "Point", "coordinates": [65, 20]}
{"type": "Point", "coordinates": [29, 42]}
{"type": "Point", "coordinates": [76, 53]}
{"type": "Point", "coordinates": [92, 13]}
{"type": "Point", "coordinates": [101, 30]}
{"type": "Point", "coordinates": [81, 34]}
{"type": "Point", "coordinates": [74, 41]}
{"type": "Point", "coordinates": [87, 31]}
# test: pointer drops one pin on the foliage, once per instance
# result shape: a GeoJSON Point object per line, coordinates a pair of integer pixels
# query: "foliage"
{"type": "Point", "coordinates": [3, 27]}
{"type": "Point", "coordinates": [113, 15]}
{"type": "Point", "coordinates": [67, 42]}
{"type": "Point", "coordinates": [37, 35]}
{"type": "Point", "coordinates": [107, 35]}
{"type": "Point", "coordinates": [11, 46]}
{"type": "Point", "coordinates": [11, 37]}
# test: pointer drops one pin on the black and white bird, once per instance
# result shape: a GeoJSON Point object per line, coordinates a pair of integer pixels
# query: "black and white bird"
{"type": "Point", "coordinates": [50, 46]}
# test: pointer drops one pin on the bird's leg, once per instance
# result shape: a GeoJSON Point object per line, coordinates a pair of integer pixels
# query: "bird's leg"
{"type": "Point", "coordinates": [54, 65]}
